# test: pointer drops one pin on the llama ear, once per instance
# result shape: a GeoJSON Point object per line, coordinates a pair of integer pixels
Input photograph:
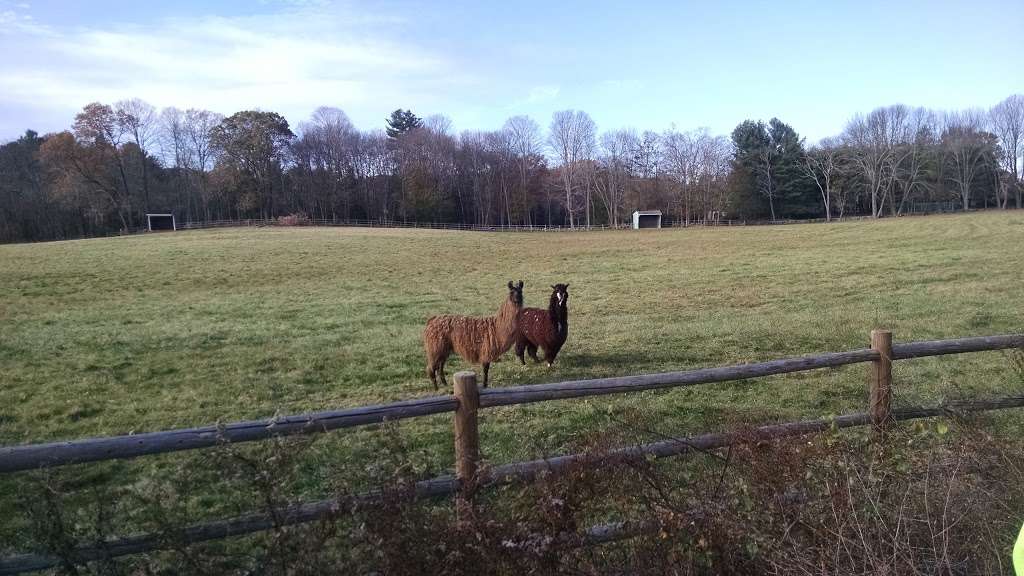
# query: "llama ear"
{"type": "Point", "coordinates": [520, 285]}
{"type": "Point", "coordinates": [566, 285]}
{"type": "Point", "coordinates": [509, 284]}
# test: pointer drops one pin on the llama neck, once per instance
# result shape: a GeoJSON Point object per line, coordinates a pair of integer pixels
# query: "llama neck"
{"type": "Point", "coordinates": [559, 314]}
{"type": "Point", "coordinates": [508, 316]}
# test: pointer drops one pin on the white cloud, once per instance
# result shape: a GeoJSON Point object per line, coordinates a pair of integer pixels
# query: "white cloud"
{"type": "Point", "coordinates": [289, 62]}
{"type": "Point", "coordinates": [14, 17]}
{"type": "Point", "coordinates": [12, 22]}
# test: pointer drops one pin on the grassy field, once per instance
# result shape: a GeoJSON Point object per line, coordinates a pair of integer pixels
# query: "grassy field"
{"type": "Point", "coordinates": [141, 333]}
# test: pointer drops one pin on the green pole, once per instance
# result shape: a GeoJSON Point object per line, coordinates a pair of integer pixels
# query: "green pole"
{"type": "Point", "coordinates": [1018, 554]}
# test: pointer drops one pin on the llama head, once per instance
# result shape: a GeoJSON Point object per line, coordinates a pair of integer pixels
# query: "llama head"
{"type": "Point", "coordinates": [560, 295]}
{"type": "Point", "coordinates": [515, 293]}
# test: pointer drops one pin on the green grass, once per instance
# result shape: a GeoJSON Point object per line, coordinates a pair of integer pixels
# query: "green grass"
{"type": "Point", "coordinates": [111, 336]}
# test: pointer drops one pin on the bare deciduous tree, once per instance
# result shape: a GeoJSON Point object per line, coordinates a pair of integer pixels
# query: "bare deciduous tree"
{"type": "Point", "coordinates": [525, 140]}
{"type": "Point", "coordinates": [473, 165]}
{"type": "Point", "coordinates": [1007, 120]}
{"type": "Point", "coordinates": [499, 144]}
{"type": "Point", "coordinates": [572, 140]}
{"type": "Point", "coordinates": [201, 154]}
{"type": "Point", "coordinates": [139, 121]}
{"type": "Point", "coordinates": [174, 147]}
{"type": "Point", "coordinates": [679, 152]}
{"type": "Point", "coordinates": [912, 157]}
{"type": "Point", "coordinates": [613, 170]}
{"type": "Point", "coordinates": [964, 142]}
{"type": "Point", "coordinates": [873, 139]}
{"type": "Point", "coordinates": [821, 164]}
{"type": "Point", "coordinates": [697, 161]}
{"type": "Point", "coordinates": [327, 143]}
{"type": "Point", "coordinates": [438, 124]}
{"type": "Point", "coordinates": [375, 164]}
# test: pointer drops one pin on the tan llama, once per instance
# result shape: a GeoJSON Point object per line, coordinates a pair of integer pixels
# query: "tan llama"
{"type": "Point", "coordinates": [478, 340]}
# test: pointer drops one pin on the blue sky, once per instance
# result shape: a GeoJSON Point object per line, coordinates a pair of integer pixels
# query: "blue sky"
{"type": "Point", "coordinates": [647, 65]}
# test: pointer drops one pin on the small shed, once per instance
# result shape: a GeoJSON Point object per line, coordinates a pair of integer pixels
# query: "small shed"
{"type": "Point", "coordinates": [156, 222]}
{"type": "Point", "coordinates": [646, 219]}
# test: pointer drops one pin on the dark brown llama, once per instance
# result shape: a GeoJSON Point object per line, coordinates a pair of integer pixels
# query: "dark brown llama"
{"type": "Point", "coordinates": [545, 329]}
{"type": "Point", "coordinates": [477, 340]}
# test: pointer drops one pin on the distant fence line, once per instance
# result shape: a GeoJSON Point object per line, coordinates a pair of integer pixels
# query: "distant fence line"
{"type": "Point", "coordinates": [358, 223]}
{"type": "Point", "coordinates": [465, 403]}
{"type": "Point", "coordinates": [667, 222]}
{"type": "Point", "coordinates": [934, 207]}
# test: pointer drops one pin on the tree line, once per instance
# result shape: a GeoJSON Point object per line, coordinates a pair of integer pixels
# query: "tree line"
{"type": "Point", "coordinates": [118, 162]}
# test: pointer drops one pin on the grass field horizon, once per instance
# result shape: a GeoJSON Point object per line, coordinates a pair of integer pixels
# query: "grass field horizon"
{"type": "Point", "coordinates": [109, 336]}
{"type": "Point", "coordinates": [143, 333]}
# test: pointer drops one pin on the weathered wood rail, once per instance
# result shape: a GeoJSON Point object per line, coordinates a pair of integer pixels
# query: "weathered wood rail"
{"type": "Point", "coordinates": [514, 473]}
{"type": "Point", "coordinates": [27, 457]}
{"type": "Point", "coordinates": [33, 456]}
{"type": "Point", "coordinates": [465, 404]}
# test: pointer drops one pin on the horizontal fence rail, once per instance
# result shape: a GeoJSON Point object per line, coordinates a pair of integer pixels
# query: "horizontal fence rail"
{"type": "Point", "coordinates": [469, 476]}
{"type": "Point", "coordinates": [14, 458]}
{"type": "Point", "coordinates": [199, 225]}
{"type": "Point", "coordinates": [598, 387]}
{"type": "Point", "coordinates": [27, 457]}
{"type": "Point", "coordinates": [506, 474]}
{"type": "Point", "coordinates": [956, 346]}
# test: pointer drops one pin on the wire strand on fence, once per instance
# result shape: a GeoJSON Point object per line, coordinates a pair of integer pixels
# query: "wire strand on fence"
{"type": "Point", "coordinates": [518, 472]}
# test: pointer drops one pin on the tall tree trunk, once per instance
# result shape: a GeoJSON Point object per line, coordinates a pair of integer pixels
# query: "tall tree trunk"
{"type": "Point", "coordinates": [588, 202]}
{"type": "Point", "coordinates": [145, 180]}
{"type": "Point", "coordinates": [127, 195]}
{"type": "Point", "coordinates": [568, 199]}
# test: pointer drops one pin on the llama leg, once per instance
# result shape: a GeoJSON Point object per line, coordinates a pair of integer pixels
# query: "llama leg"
{"type": "Point", "coordinates": [432, 376]}
{"type": "Point", "coordinates": [520, 348]}
{"type": "Point", "coordinates": [532, 349]}
{"type": "Point", "coordinates": [440, 372]}
{"type": "Point", "coordinates": [487, 366]}
{"type": "Point", "coordinates": [551, 354]}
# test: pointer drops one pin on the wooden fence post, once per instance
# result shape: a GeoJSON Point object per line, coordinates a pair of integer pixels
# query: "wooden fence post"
{"type": "Point", "coordinates": [467, 438]}
{"type": "Point", "coordinates": [880, 381]}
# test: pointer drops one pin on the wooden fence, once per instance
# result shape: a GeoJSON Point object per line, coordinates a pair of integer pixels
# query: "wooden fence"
{"type": "Point", "coordinates": [465, 404]}
{"type": "Point", "coordinates": [668, 221]}
{"type": "Point", "coordinates": [355, 223]}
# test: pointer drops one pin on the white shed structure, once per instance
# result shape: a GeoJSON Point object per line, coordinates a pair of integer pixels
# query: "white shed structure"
{"type": "Point", "coordinates": [646, 219]}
